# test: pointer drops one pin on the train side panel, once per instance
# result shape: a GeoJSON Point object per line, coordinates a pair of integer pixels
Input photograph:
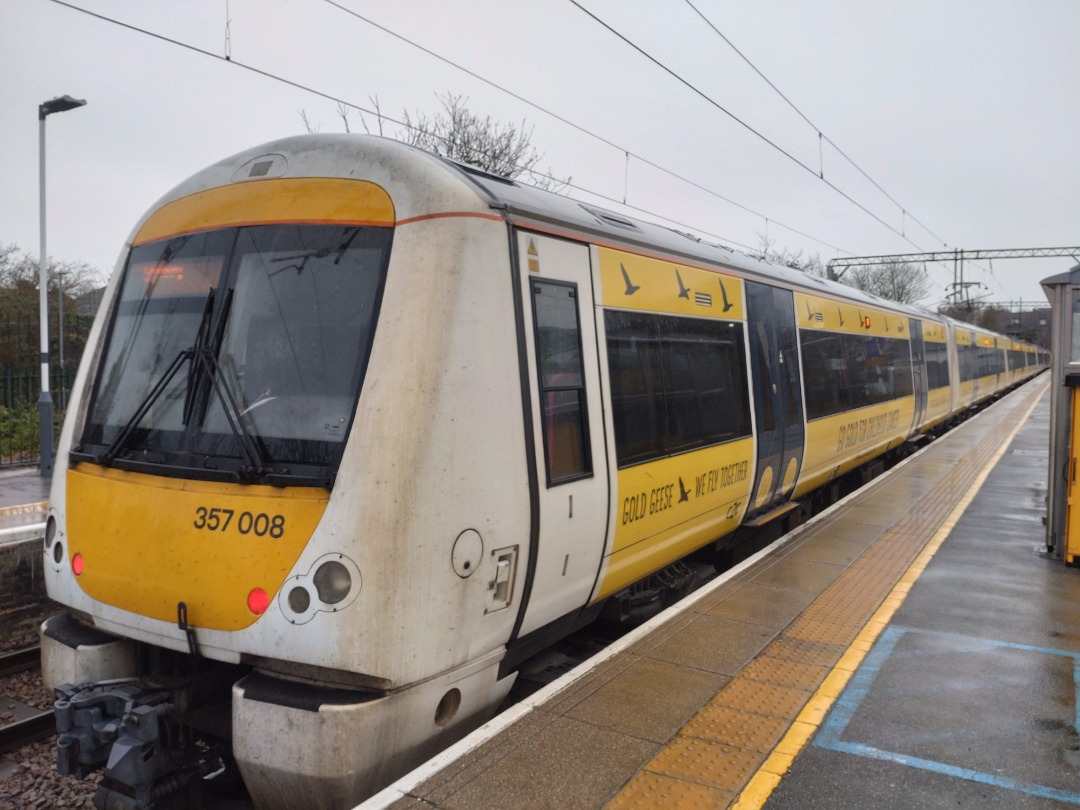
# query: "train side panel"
{"type": "Point", "coordinates": [673, 351]}
{"type": "Point", "coordinates": [939, 398]}
{"type": "Point", "coordinates": [857, 376]}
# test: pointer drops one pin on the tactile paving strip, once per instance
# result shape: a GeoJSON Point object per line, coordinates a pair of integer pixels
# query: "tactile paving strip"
{"type": "Point", "coordinates": [779, 682]}
{"type": "Point", "coordinates": [761, 671]}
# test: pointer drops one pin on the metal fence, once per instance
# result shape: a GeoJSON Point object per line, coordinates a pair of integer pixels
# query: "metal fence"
{"type": "Point", "coordinates": [20, 442]}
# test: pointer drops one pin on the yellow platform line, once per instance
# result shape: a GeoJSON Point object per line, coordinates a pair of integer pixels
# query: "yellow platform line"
{"type": "Point", "coordinates": [23, 508]}
{"type": "Point", "coordinates": [768, 776]}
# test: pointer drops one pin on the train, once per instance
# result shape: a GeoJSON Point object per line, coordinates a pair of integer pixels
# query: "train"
{"type": "Point", "coordinates": [359, 429]}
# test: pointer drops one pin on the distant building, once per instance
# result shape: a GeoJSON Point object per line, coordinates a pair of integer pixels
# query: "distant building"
{"type": "Point", "coordinates": [87, 305]}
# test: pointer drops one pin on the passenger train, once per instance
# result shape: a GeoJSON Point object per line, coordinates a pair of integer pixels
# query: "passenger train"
{"type": "Point", "coordinates": [358, 429]}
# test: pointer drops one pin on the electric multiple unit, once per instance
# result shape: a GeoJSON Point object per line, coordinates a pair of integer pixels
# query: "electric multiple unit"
{"type": "Point", "coordinates": [357, 429]}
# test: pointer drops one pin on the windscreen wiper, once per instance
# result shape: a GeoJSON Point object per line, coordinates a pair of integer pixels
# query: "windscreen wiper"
{"type": "Point", "coordinates": [196, 351]}
{"type": "Point", "coordinates": [148, 401]}
{"type": "Point", "coordinates": [154, 394]}
{"type": "Point", "coordinates": [254, 450]}
{"type": "Point", "coordinates": [204, 358]}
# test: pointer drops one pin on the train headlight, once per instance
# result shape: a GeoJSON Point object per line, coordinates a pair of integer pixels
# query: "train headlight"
{"type": "Point", "coordinates": [299, 599]}
{"type": "Point", "coordinates": [332, 581]}
{"type": "Point", "coordinates": [50, 531]}
{"type": "Point", "coordinates": [331, 584]}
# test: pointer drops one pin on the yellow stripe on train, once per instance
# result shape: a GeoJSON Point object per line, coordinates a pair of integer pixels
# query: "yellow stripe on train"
{"type": "Point", "coordinates": [669, 507]}
{"type": "Point", "coordinates": [839, 443]}
{"type": "Point", "coordinates": [147, 543]}
{"type": "Point", "coordinates": [815, 312]}
{"type": "Point", "coordinates": [629, 281]}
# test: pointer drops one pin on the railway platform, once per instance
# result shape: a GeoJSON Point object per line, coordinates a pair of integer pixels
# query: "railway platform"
{"type": "Point", "coordinates": [23, 499]}
{"type": "Point", "coordinates": [23, 486]}
{"type": "Point", "coordinates": [911, 647]}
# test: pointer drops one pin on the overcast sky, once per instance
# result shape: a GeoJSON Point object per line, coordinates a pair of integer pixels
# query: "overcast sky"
{"type": "Point", "coordinates": [966, 112]}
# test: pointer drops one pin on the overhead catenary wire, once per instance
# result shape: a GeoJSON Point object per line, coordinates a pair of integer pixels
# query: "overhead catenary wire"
{"type": "Point", "coordinates": [256, 70]}
{"type": "Point", "coordinates": [378, 113]}
{"type": "Point", "coordinates": [821, 135]}
{"type": "Point", "coordinates": [820, 173]}
{"type": "Point", "coordinates": [706, 97]}
{"type": "Point", "coordinates": [330, 97]}
{"type": "Point", "coordinates": [574, 125]}
{"type": "Point", "coordinates": [904, 213]}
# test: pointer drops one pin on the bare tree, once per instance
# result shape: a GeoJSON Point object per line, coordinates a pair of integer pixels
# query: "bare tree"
{"type": "Point", "coordinates": [986, 316]}
{"type": "Point", "coordinates": [19, 302]}
{"type": "Point", "coordinates": [20, 269]}
{"type": "Point", "coordinates": [462, 135]}
{"type": "Point", "coordinates": [896, 281]}
{"type": "Point", "coordinates": [310, 127]}
{"type": "Point", "coordinates": [768, 251]}
{"type": "Point", "coordinates": [457, 133]}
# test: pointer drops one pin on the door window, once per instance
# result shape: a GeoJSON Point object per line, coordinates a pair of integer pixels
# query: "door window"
{"type": "Point", "coordinates": [563, 410]}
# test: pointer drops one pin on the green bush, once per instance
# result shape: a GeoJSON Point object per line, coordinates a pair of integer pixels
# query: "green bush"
{"type": "Point", "coordinates": [20, 440]}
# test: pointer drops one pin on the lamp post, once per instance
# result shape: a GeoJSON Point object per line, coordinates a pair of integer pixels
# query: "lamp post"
{"type": "Point", "coordinates": [45, 409]}
{"type": "Point", "coordinates": [60, 332]}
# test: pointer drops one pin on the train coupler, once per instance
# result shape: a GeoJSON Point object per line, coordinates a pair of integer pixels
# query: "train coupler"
{"type": "Point", "coordinates": [134, 732]}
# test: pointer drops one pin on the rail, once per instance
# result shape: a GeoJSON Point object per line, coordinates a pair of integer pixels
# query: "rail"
{"type": "Point", "coordinates": [20, 660]}
{"type": "Point", "coordinates": [29, 729]}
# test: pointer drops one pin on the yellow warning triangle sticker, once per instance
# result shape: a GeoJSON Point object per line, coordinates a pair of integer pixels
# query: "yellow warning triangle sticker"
{"type": "Point", "coordinates": [532, 248]}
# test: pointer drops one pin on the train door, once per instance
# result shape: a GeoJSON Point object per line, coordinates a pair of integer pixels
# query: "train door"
{"type": "Point", "coordinates": [918, 370]}
{"type": "Point", "coordinates": [778, 404]}
{"type": "Point", "coordinates": [568, 431]}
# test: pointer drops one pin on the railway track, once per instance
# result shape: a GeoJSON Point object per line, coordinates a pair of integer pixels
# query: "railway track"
{"type": "Point", "coordinates": [20, 660]}
{"type": "Point", "coordinates": [29, 729]}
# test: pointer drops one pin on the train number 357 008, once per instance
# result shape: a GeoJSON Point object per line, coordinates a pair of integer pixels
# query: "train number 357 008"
{"type": "Point", "coordinates": [258, 523]}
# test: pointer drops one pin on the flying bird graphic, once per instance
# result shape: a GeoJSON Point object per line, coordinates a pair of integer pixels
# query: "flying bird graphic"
{"type": "Point", "coordinates": [631, 288]}
{"type": "Point", "coordinates": [683, 292]}
{"type": "Point", "coordinates": [684, 494]}
{"type": "Point", "coordinates": [723, 294]}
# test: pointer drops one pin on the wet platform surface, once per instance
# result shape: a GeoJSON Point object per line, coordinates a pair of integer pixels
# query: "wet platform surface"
{"type": "Point", "coordinates": [969, 697]}
{"type": "Point", "coordinates": [23, 497]}
{"type": "Point", "coordinates": [910, 647]}
{"type": "Point", "coordinates": [22, 486]}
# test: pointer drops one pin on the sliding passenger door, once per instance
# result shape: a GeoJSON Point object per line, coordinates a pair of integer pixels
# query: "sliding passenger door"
{"type": "Point", "coordinates": [568, 432]}
{"type": "Point", "coordinates": [918, 370]}
{"type": "Point", "coordinates": [778, 404]}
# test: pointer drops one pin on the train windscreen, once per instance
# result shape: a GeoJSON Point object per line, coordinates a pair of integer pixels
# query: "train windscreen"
{"type": "Point", "coordinates": [239, 352]}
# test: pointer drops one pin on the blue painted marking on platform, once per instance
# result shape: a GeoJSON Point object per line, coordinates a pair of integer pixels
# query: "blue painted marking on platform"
{"type": "Point", "coordinates": [1076, 699]}
{"type": "Point", "coordinates": [858, 687]}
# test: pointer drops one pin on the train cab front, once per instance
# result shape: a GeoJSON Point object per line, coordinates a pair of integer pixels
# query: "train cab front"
{"type": "Point", "coordinates": [204, 442]}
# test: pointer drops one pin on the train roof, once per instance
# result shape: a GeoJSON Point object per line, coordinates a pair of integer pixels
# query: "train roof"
{"type": "Point", "coordinates": [394, 161]}
{"type": "Point", "coordinates": [555, 210]}
{"type": "Point", "coordinates": [546, 207]}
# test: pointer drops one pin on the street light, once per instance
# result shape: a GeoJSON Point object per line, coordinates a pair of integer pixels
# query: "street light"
{"type": "Point", "coordinates": [60, 331]}
{"type": "Point", "coordinates": [45, 409]}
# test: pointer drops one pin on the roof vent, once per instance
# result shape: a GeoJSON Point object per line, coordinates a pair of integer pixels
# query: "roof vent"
{"type": "Point", "coordinates": [608, 218]}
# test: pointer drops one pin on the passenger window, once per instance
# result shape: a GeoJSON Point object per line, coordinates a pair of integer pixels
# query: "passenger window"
{"type": "Point", "coordinates": [845, 371]}
{"type": "Point", "coordinates": [563, 410]}
{"type": "Point", "coordinates": [677, 384]}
